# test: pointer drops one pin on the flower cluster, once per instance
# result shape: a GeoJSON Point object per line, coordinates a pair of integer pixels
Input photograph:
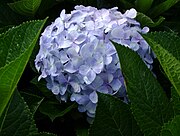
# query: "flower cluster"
{"type": "Point", "coordinates": [77, 58]}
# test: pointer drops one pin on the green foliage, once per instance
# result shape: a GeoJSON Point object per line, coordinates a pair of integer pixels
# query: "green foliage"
{"type": "Point", "coordinates": [33, 101]}
{"type": "Point", "coordinates": [25, 7]}
{"type": "Point", "coordinates": [43, 134]}
{"type": "Point", "coordinates": [16, 46]}
{"type": "Point", "coordinates": [47, 4]}
{"type": "Point", "coordinates": [149, 112]}
{"type": "Point", "coordinates": [172, 128]}
{"type": "Point", "coordinates": [147, 21]}
{"type": "Point", "coordinates": [82, 132]}
{"type": "Point", "coordinates": [16, 119]}
{"type": "Point", "coordinates": [149, 103]}
{"type": "Point", "coordinates": [41, 85]}
{"type": "Point", "coordinates": [55, 109]}
{"type": "Point", "coordinates": [167, 40]}
{"type": "Point", "coordinates": [167, 53]}
{"type": "Point", "coordinates": [7, 16]}
{"type": "Point", "coordinates": [175, 101]}
{"type": "Point", "coordinates": [113, 117]}
{"type": "Point", "coordinates": [164, 6]}
{"type": "Point", "coordinates": [143, 5]}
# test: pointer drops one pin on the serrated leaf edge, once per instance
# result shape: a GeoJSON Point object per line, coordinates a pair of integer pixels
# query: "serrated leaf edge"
{"type": "Point", "coordinates": [164, 125]}
{"type": "Point", "coordinates": [15, 27]}
{"type": "Point", "coordinates": [4, 67]}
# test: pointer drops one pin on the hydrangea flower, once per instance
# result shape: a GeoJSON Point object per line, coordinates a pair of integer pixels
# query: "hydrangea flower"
{"type": "Point", "coordinates": [77, 58]}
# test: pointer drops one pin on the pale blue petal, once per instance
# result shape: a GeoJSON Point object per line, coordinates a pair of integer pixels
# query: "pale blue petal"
{"type": "Point", "coordinates": [91, 107]}
{"type": "Point", "coordinates": [145, 30]}
{"type": "Point", "coordinates": [107, 60]}
{"type": "Point", "coordinates": [55, 89]}
{"type": "Point", "coordinates": [148, 59]}
{"type": "Point", "coordinates": [83, 100]}
{"type": "Point", "coordinates": [80, 39]}
{"type": "Point", "coordinates": [65, 44]}
{"type": "Point", "coordinates": [93, 97]}
{"type": "Point", "coordinates": [131, 13]}
{"type": "Point", "coordinates": [69, 67]}
{"type": "Point", "coordinates": [89, 78]}
{"type": "Point", "coordinates": [89, 25]}
{"type": "Point", "coordinates": [81, 108]}
{"type": "Point", "coordinates": [63, 57]}
{"type": "Point", "coordinates": [84, 69]}
{"type": "Point", "coordinates": [109, 78]}
{"type": "Point", "coordinates": [97, 82]}
{"type": "Point", "coordinates": [122, 21]}
{"type": "Point", "coordinates": [92, 115]}
{"type": "Point", "coordinates": [86, 50]}
{"type": "Point", "coordinates": [75, 86]}
{"type": "Point", "coordinates": [62, 89]}
{"type": "Point", "coordinates": [116, 84]}
{"type": "Point", "coordinates": [98, 67]}
{"type": "Point", "coordinates": [134, 46]}
{"type": "Point", "coordinates": [118, 33]}
{"type": "Point", "coordinates": [103, 89]}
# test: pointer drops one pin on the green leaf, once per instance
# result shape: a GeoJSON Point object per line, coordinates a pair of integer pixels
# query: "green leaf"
{"type": "Point", "coordinates": [25, 7]}
{"type": "Point", "coordinates": [113, 117]}
{"type": "Point", "coordinates": [147, 21]}
{"type": "Point", "coordinates": [164, 6]}
{"type": "Point", "coordinates": [16, 46]}
{"type": "Point", "coordinates": [149, 103]}
{"type": "Point", "coordinates": [143, 5]}
{"type": "Point", "coordinates": [54, 109]}
{"type": "Point", "coordinates": [168, 40]}
{"type": "Point", "coordinates": [172, 128]}
{"type": "Point", "coordinates": [176, 101]}
{"type": "Point", "coordinates": [82, 132]}
{"type": "Point", "coordinates": [47, 4]}
{"type": "Point", "coordinates": [17, 119]}
{"type": "Point", "coordinates": [5, 28]}
{"type": "Point", "coordinates": [168, 59]}
{"type": "Point", "coordinates": [33, 101]}
{"type": "Point", "coordinates": [41, 85]}
{"type": "Point", "coordinates": [7, 16]}
{"type": "Point", "coordinates": [43, 134]}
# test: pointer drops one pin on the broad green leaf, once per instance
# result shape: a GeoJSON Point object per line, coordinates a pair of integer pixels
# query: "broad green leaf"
{"type": "Point", "coordinates": [168, 40]}
{"type": "Point", "coordinates": [25, 7]}
{"type": "Point", "coordinates": [43, 134]}
{"type": "Point", "coordinates": [82, 132]}
{"type": "Point", "coordinates": [17, 119]}
{"type": "Point", "coordinates": [16, 46]}
{"type": "Point", "coordinates": [171, 128]}
{"type": "Point", "coordinates": [33, 101]}
{"type": "Point", "coordinates": [54, 110]}
{"type": "Point", "coordinates": [143, 5]}
{"type": "Point", "coordinates": [175, 101]}
{"type": "Point", "coordinates": [149, 103]}
{"type": "Point", "coordinates": [173, 25]}
{"type": "Point", "coordinates": [164, 6]}
{"type": "Point", "coordinates": [169, 63]}
{"type": "Point", "coordinates": [147, 21]}
{"type": "Point", "coordinates": [47, 4]}
{"type": "Point", "coordinates": [7, 16]}
{"type": "Point", "coordinates": [41, 85]}
{"type": "Point", "coordinates": [5, 28]}
{"type": "Point", "coordinates": [113, 117]}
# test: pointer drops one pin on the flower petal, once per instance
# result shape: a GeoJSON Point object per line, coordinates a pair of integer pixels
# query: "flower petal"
{"type": "Point", "coordinates": [89, 78]}
{"type": "Point", "coordinates": [93, 97]}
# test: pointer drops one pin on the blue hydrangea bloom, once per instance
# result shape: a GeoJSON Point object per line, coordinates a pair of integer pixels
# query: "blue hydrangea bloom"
{"type": "Point", "coordinates": [77, 58]}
